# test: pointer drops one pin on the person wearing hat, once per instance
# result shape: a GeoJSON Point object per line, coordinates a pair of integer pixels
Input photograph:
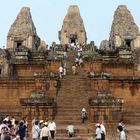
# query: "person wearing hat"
{"type": "Point", "coordinates": [45, 133]}
{"type": "Point", "coordinates": [83, 115]}
{"type": "Point", "coordinates": [41, 124]}
{"type": "Point", "coordinates": [98, 131]}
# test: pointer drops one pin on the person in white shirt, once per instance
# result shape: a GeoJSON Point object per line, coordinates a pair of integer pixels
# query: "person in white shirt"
{"type": "Point", "coordinates": [122, 135]}
{"type": "Point", "coordinates": [52, 128]}
{"type": "Point", "coordinates": [45, 133]}
{"type": "Point", "coordinates": [60, 71]}
{"type": "Point", "coordinates": [98, 132]}
{"type": "Point", "coordinates": [35, 131]}
{"type": "Point", "coordinates": [70, 128]}
{"type": "Point", "coordinates": [103, 131]}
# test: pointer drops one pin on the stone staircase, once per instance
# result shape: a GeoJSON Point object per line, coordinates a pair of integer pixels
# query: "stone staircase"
{"type": "Point", "coordinates": [72, 97]}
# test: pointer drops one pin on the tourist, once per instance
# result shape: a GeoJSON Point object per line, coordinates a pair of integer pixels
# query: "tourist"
{"type": "Point", "coordinates": [98, 131]}
{"type": "Point", "coordinates": [70, 128]}
{"type": "Point", "coordinates": [22, 130]}
{"type": "Point", "coordinates": [65, 55]}
{"type": "Point", "coordinates": [7, 118]}
{"type": "Point", "coordinates": [13, 120]}
{"type": "Point", "coordinates": [122, 135]}
{"type": "Point", "coordinates": [35, 131]}
{"type": "Point", "coordinates": [41, 125]}
{"type": "Point", "coordinates": [121, 123]}
{"type": "Point", "coordinates": [45, 133]}
{"type": "Point", "coordinates": [74, 69]}
{"type": "Point", "coordinates": [33, 120]}
{"type": "Point", "coordinates": [81, 62]}
{"type": "Point", "coordinates": [5, 135]}
{"type": "Point", "coordinates": [66, 47]}
{"type": "Point", "coordinates": [83, 115]}
{"type": "Point", "coordinates": [52, 128]}
{"type": "Point", "coordinates": [60, 71]}
{"type": "Point", "coordinates": [103, 131]}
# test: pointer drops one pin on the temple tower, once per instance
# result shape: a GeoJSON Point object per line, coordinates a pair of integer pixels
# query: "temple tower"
{"type": "Point", "coordinates": [123, 30]}
{"type": "Point", "coordinates": [73, 30]}
{"type": "Point", "coordinates": [23, 31]}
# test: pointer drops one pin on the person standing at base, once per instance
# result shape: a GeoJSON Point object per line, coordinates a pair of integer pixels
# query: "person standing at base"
{"type": "Point", "coordinates": [35, 131]}
{"type": "Point", "coordinates": [103, 131]}
{"type": "Point", "coordinates": [74, 69]}
{"type": "Point", "coordinates": [45, 133]}
{"type": "Point", "coordinates": [122, 135]}
{"type": "Point", "coordinates": [98, 131]}
{"type": "Point", "coordinates": [52, 128]}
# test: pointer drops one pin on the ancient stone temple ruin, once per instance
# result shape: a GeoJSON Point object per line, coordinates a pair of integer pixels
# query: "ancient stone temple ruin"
{"type": "Point", "coordinates": [73, 30]}
{"type": "Point", "coordinates": [124, 31]}
{"type": "Point", "coordinates": [23, 31]}
{"type": "Point", "coordinates": [107, 84]}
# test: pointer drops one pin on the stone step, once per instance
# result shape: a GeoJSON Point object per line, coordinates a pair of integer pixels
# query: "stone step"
{"type": "Point", "coordinates": [68, 121]}
{"type": "Point", "coordinates": [68, 113]}
{"type": "Point", "coordinates": [68, 117]}
{"type": "Point", "coordinates": [66, 138]}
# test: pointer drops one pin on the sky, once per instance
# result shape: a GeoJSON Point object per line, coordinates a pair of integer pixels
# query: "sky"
{"type": "Point", "coordinates": [48, 17]}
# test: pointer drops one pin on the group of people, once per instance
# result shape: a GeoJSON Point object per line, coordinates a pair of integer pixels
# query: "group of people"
{"type": "Point", "coordinates": [101, 131]}
{"type": "Point", "coordinates": [11, 129]}
{"type": "Point", "coordinates": [71, 128]}
{"type": "Point", "coordinates": [43, 130]}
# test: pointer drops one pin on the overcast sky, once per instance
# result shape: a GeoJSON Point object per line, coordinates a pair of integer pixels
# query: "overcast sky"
{"type": "Point", "coordinates": [48, 16]}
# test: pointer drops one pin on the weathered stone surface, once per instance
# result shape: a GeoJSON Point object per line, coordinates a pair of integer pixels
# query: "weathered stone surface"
{"type": "Point", "coordinates": [104, 45]}
{"type": "Point", "coordinates": [42, 46]}
{"type": "Point", "coordinates": [73, 29]}
{"type": "Point", "coordinates": [23, 31]}
{"type": "Point", "coordinates": [123, 25]}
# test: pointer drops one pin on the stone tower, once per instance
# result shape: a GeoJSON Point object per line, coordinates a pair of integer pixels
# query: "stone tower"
{"type": "Point", "coordinates": [73, 30]}
{"type": "Point", "coordinates": [123, 30]}
{"type": "Point", "coordinates": [23, 31]}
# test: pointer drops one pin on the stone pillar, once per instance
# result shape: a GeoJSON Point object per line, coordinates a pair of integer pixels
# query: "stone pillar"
{"type": "Point", "coordinates": [10, 43]}
{"type": "Point", "coordinates": [136, 42]}
{"type": "Point", "coordinates": [117, 41]}
{"type": "Point", "coordinates": [30, 42]}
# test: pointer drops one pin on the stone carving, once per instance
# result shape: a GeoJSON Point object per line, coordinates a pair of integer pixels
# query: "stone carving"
{"type": "Point", "coordinates": [23, 31]}
{"type": "Point", "coordinates": [73, 30]}
{"type": "Point", "coordinates": [4, 64]}
{"type": "Point", "coordinates": [105, 98]}
{"type": "Point", "coordinates": [124, 26]}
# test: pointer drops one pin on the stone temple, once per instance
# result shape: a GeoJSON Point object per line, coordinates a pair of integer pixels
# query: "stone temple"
{"type": "Point", "coordinates": [107, 84]}
{"type": "Point", "coordinates": [73, 30]}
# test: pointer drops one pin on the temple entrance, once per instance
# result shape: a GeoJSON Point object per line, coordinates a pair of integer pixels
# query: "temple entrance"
{"type": "Point", "coordinates": [128, 42]}
{"type": "Point", "coordinates": [18, 44]}
{"type": "Point", "coordinates": [72, 39]}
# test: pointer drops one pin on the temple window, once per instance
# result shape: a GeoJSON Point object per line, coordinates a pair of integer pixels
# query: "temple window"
{"type": "Point", "coordinates": [115, 115]}
{"type": "Point", "coordinates": [128, 42]}
{"type": "Point", "coordinates": [73, 38]}
{"type": "Point", "coordinates": [18, 44]}
{"type": "Point", "coordinates": [106, 118]}
{"type": "Point", "coordinates": [96, 117]}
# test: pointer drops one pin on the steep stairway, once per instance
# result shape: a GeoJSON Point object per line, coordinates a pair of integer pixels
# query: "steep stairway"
{"type": "Point", "coordinates": [72, 97]}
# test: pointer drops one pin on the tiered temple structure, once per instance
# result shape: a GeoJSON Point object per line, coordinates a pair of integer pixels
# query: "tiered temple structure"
{"type": "Point", "coordinates": [73, 30]}
{"type": "Point", "coordinates": [107, 85]}
{"type": "Point", "coordinates": [23, 31]}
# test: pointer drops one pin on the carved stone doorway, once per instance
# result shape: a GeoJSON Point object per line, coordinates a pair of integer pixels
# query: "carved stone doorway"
{"type": "Point", "coordinates": [73, 38]}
